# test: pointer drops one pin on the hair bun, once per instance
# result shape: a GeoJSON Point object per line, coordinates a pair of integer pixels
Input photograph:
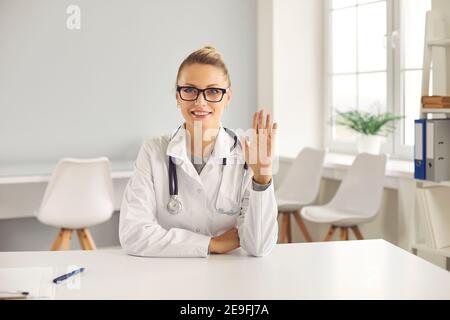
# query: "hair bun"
{"type": "Point", "coordinates": [209, 48]}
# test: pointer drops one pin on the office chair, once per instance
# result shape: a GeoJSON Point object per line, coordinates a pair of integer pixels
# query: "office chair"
{"type": "Point", "coordinates": [357, 200]}
{"type": "Point", "coordinates": [79, 195]}
{"type": "Point", "coordinates": [299, 188]}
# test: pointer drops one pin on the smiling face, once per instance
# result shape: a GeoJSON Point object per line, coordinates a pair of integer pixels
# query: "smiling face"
{"type": "Point", "coordinates": [202, 112]}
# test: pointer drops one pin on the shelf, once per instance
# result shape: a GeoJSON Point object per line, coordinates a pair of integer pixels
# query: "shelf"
{"type": "Point", "coordinates": [424, 184]}
{"type": "Point", "coordinates": [439, 43]}
{"type": "Point", "coordinates": [445, 252]}
{"type": "Point", "coordinates": [438, 110]}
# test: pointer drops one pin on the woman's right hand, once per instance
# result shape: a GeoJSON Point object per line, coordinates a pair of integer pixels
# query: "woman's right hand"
{"type": "Point", "coordinates": [225, 242]}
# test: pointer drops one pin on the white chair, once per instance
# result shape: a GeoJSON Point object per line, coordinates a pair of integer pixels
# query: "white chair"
{"type": "Point", "coordinates": [299, 188]}
{"type": "Point", "coordinates": [357, 200]}
{"type": "Point", "coordinates": [79, 195]}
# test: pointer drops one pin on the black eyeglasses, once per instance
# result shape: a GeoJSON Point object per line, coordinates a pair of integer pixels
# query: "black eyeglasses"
{"type": "Point", "coordinates": [210, 94]}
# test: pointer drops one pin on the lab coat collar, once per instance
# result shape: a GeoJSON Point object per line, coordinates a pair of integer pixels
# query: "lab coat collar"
{"type": "Point", "coordinates": [222, 147]}
{"type": "Point", "coordinates": [177, 144]}
{"type": "Point", "coordinates": [224, 143]}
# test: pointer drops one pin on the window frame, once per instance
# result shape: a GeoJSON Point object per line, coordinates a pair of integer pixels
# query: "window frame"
{"type": "Point", "coordinates": [393, 146]}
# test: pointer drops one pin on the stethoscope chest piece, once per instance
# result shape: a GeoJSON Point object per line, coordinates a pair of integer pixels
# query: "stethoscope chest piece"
{"type": "Point", "coordinates": [174, 205]}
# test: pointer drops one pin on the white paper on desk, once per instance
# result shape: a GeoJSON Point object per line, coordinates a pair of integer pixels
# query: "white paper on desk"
{"type": "Point", "coordinates": [36, 281]}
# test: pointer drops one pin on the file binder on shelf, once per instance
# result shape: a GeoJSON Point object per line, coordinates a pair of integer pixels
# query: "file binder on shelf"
{"type": "Point", "coordinates": [420, 149]}
{"type": "Point", "coordinates": [437, 150]}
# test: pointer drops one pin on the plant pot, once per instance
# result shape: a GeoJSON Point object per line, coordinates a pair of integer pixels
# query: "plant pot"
{"type": "Point", "coordinates": [369, 144]}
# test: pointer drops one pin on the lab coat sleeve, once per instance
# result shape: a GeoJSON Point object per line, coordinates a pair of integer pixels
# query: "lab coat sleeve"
{"type": "Point", "coordinates": [139, 231]}
{"type": "Point", "coordinates": [257, 222]}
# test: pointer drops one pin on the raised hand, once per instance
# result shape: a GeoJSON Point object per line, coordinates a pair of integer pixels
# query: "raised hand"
{"type": "Point", "coordinates": [258, 153]}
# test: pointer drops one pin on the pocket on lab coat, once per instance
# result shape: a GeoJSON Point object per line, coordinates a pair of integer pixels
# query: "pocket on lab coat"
{"type": "Point", "coordinates": [228, 200]}
{"type": "Point", "coordinates": [227, 205]}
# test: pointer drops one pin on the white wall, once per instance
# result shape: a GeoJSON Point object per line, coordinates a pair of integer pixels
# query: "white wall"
{"type": "Point", "coordinates": [100, 90]}
{"type": "Point", "coordinates": [264, 54]}
{"type": "Point", "coordinates": [290, 70]}
{"type": "Point", "coordinates": [298, 74]}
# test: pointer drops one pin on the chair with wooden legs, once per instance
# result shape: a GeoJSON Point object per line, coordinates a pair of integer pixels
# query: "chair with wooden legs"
{"type": "Point", "coordinates": [79, 195]}
{"type": "Point", "coordinates": [298, 189]}
{"type": "Point", "coordinates": [62, 241]}
{"type": "Point", "coordinates": [357, 200]}
{"type": "Point", "coordinates": [344, 233]}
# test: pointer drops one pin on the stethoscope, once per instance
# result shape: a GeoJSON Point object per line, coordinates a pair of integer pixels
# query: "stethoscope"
{"type": "Point", "coordinates": [174, 206]}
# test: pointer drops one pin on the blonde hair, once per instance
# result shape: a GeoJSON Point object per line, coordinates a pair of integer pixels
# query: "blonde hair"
{"type": "Point", "coordinates": [206, 55]}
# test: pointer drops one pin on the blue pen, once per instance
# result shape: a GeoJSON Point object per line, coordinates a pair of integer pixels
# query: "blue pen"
{"type": "Point", "coordinates": [68, 275]}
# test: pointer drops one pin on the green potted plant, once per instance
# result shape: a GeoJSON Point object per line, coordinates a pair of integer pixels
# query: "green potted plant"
{"type": "Point", "coordinates": [371, 127]}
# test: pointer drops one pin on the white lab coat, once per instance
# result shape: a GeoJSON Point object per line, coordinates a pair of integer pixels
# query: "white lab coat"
{"type": "Point", "coordinates": [148, 229]}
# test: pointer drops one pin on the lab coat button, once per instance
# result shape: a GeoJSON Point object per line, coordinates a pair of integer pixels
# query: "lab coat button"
{"type": "Point", "coordinates": [199, 190]}
{"type": "Point", "coordinates": [197, 230]}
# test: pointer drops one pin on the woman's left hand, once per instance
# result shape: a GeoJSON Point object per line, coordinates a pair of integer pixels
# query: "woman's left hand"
{"type": "Point", "coordinates": [258, 154]}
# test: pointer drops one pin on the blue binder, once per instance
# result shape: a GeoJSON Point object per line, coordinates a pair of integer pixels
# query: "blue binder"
{"type": "Point", "coordinates": [420, 158]}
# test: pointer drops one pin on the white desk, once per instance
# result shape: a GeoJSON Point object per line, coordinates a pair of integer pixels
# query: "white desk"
{"type": "Point", "coordinates": [22, 174]}
{"type": "Point", "coordinates": [368, 269]}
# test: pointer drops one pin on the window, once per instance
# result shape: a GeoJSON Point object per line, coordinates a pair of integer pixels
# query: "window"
{"type": "Point", "coordinates": [375, 53]}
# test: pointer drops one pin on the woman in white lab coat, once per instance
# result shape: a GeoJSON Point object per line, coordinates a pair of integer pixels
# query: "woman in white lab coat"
{"type": "Point", "coordinates": [202, 189]}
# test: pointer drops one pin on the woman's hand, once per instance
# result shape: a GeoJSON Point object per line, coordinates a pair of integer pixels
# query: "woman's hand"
{"type": "Point", "coordinates": [225, 242]}
{"type": "Point", "coordinates": [258, 154]}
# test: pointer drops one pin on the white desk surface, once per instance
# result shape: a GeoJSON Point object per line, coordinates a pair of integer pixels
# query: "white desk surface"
{"type": "Point", "coordinates": [366, 269]}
